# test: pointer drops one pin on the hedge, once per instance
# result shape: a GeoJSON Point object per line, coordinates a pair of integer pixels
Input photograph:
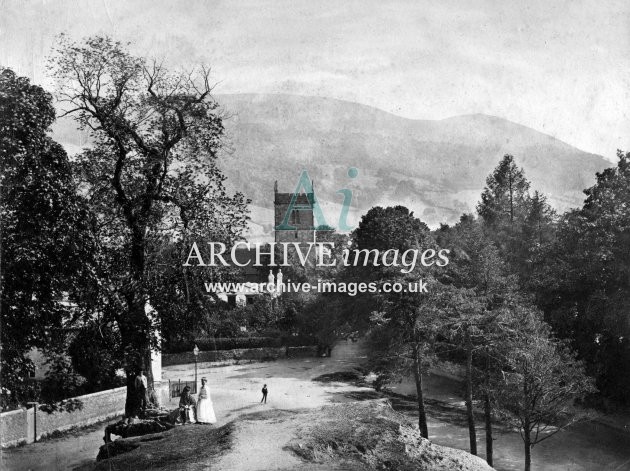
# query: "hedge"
{"type": "Point", "coordinates": [209, 343]}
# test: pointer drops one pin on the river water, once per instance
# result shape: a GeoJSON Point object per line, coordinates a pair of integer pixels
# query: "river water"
{"type": "Point", "coordinates": [584, 447]}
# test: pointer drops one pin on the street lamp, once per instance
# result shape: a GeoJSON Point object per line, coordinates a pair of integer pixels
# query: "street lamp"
{"type": "Point", "coordinates": [196, 352]}
{"type": "Point", "coordinates": [35, 406]}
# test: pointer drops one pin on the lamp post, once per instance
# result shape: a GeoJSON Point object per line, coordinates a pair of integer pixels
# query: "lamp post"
{"type": "Point", "coordinates": [35, 406]}
{"type": "Point", "coordinates": [196, 352]}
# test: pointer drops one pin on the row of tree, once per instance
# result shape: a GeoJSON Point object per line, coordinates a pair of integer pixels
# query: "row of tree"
{"type": "Point", "coordinates": [574, 267]}
{"type": "Point", "coordinates": [532, 305]}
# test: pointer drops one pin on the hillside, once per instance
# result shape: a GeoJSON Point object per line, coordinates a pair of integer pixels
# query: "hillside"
{"type": "Point", "coordinates": [437, 168]}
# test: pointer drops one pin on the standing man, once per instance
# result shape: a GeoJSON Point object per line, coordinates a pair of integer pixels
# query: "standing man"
{"type": "Point", "coordinates": [264, 391]}
{"type": "Point", "coordinates": [141, 390]}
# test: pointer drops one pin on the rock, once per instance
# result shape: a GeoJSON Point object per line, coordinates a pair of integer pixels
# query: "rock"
{"type": "Point", "coordinates": [161, 414]}
{"type": "Point", "coordinates": [112, 449]}
{"type": "Point", "coordinates": [374, 436]}
{"type": "Point", "coordinates": [136, 428]}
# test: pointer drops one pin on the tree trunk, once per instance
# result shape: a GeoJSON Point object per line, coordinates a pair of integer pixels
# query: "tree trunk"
{"type": "Point", "coordinates": [528, 450]}
{"type": "Point", "coordinates": [527, 429]}
{"type": "Point", "coordinates": [472, 434]}
{"type": "Point", "coordinates": [135, 327]}
{"type": "Point", "coordinates": [135, 340]}
{"type": "Point", "coordinates": [511, 198]}
{"type": "Point", "coordinates": [487, 409]}
{"type": "Point", "coordinates": [422, 415]}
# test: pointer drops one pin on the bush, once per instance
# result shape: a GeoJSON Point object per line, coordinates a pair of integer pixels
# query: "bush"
{"type": "Point", "coordinates": [209, 343]}
{"type": "Point", "coordinates": [299, 341]}
{"type": "Point", "coordinates": [61, 382]}
{"type": "Point", "coordinates": [94, 356]}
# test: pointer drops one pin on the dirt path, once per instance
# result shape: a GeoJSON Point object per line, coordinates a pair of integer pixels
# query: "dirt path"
{"type": "Point", "coordinates": [235, 391]}
{"type": "Point", "coordinates": [259, 444]}
{"type": "Point", "coordinates": [259, 447]}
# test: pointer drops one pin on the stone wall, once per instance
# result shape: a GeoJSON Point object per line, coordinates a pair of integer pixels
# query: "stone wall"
{"type": "Point", "coordinates": [21, 426]}
{"type": "Point", "coordinates": [13, 427]}
{"type": "Point", "coordinates": [241, 354]}
{"type": "Point", "coordinates": [302, 352]}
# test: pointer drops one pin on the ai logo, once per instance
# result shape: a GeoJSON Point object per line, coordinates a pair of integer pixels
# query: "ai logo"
{"type": "Point", "coordinates": [305, 186]}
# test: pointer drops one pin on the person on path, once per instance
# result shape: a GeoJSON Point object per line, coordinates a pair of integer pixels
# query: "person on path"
{"type": "Point", "coordinates": [264, 397]}
{"type": "Point", "coordinates": [205, 411]}
{"type": "Point", "coordinates": [141, 390]}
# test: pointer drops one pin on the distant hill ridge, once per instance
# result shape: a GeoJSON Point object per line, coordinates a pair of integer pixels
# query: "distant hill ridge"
{"type": "Point", "coordinates": [437, 168]}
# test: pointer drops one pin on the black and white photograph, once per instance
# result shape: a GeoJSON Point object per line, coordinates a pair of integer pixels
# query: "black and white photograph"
{"type": "Point", "coordinates": [309, 235]}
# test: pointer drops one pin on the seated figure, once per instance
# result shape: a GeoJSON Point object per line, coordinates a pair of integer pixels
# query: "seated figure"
{"type": "Point", "coordinates": [187, 406]}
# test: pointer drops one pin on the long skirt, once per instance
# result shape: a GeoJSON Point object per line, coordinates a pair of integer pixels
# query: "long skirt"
{"type": "Point", "coordinates": [205, 412]}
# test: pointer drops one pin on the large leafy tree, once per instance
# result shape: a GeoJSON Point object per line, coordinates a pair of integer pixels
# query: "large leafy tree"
{"type": "Point", "coordinates": [466, 322]}
{"type": "Point", "coordinates": [152, 170]}
{"type": "Point", "coordinates": [473, 324]}
{"type": "Point", "coordinates": [47, 239]}
{"type": "Point", "coordinates": [540, 382]}
{"type": "Point", "coordinates": [178, 292]}
{"type": "Point", "coordinates": [389, 228]}
{"type": "Point", "coordinates": [405, 331]}
{"type": "Point", "coordinates": [584, 286]}
{"type": "Point", "coordinates": [381, 228]}
{"type": "Point", "coordinates": [405, 324]}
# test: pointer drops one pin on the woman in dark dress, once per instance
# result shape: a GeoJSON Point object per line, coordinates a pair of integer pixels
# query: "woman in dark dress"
{"type": "Point", "coordinates": [187, 406]}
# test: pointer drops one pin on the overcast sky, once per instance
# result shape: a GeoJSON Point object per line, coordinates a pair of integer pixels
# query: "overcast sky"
{"type": "Point", "coordinates": [561, 67]}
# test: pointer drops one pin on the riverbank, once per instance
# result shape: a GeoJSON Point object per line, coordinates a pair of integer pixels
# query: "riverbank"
{"type": "Point", "coordinates": [350, 436]}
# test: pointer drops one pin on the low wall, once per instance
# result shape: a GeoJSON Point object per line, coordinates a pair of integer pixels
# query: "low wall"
{"type": "Point", "coordinates": [13, 427]}
{"type": "Point", "coordinates": [21, 426]}
{"type": "Point", "coordinates": [241, 354]}
{"type": "Point", "coordinates": [302, 352]}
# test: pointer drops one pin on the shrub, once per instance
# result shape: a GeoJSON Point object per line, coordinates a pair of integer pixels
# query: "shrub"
{"type": "Point", "coordinates": [94, 356]}
{"type": "Point", "coordinates": [209, 343]}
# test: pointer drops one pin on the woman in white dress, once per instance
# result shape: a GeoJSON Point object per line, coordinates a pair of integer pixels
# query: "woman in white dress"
{"type": "Point", "coordinates": [205, 411]}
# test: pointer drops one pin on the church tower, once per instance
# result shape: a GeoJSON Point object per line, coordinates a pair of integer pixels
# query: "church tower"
{"type": "Point", "coordinates": [301, 217]}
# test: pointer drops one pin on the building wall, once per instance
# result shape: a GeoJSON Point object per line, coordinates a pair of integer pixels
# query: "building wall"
{"type": "Point", "coordinates": [39, 362]}
{"type": "Point", "coordinates": [96, 407]}
{"type": "Point", "coordinates": [13, 427]}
